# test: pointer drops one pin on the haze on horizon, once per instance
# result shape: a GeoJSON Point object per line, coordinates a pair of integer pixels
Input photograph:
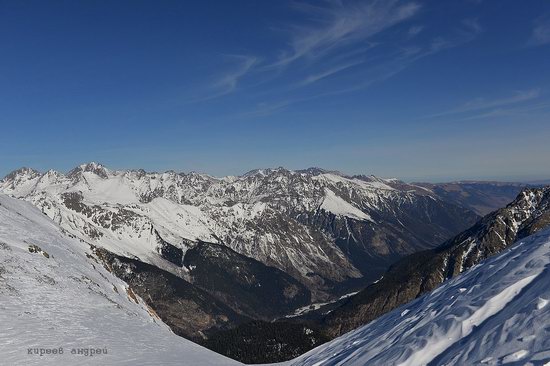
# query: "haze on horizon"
{"type": "Point", "coordinates": [417, 90]}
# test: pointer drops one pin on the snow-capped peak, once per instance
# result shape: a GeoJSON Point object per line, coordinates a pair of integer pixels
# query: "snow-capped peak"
{"type": "Point", "coordinates": [315, 171]}
{"type": "Point", "coordinates": [21, 174]}
{"type": "Point", "coordinates": [91, 167]}
{"type": "Point", "coordinates": [266, 172]}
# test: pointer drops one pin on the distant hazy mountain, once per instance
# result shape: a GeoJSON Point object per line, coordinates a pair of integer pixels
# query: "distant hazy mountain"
{"type": "Point", "coordinates": [542, 182]}
{"type": "Point", "coordinates": [480, 197]}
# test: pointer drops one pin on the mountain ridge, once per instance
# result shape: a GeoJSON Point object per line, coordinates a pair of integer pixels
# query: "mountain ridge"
{"type": "Point", "coordinates": [311, 235]}
{"type": "Point", "coordinates": [412, 276]}
{"type": "Point", "coordinates": [422, 272]}
{"type": "Point", "coordinates": [492, 314]}
{"type": "Point", "coordinates": [321, 228]}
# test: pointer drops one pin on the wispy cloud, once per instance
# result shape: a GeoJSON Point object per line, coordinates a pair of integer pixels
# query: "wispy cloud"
{"type": "Point", "coordinates": [229, 81]}
{"type": "Point", "coordinates": [541, 31]}
{"type": "Point", "coordinates": [472, 26]}
{"type": "Point", "coordinates": [518, 111]}
{"type": "Point", "coordinates": [264, 109]}
{"type": "Point", "coordinates": [415, 30]}
{"type": "Point", "coordinates": [400, 59]}
{"type": "Point", "coordinates": [339, 40]}
{"type": "Point", "coordinates": [335, 24]}
{"type": "Point", "coordinates": [382, 68]}
{"type": "Point", "coordinates": [324, 74]}
{"type": "Point", "coordinates": [386, 65]}
{"type": "Point", "coordinates": [483, 104]}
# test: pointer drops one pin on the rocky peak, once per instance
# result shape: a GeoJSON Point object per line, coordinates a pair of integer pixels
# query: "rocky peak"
{"type": "Point", "coordinates": [373, 178]}
{"type": "Point", "coordinates": [21, 174]}
{"type": "Point", "coordinates": [265, 172]}
{"type": "Point", "coordinates": [92, 167]}
{"type": "Point", "coordinates": [137, 174]}
{"type": "Point", "coordinates": [314, 171]}
{"type": "Point", "coordinates": [53, 173]}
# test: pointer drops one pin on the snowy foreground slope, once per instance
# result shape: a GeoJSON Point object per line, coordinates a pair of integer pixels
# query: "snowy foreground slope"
{"type": "Point", "coordinates": [496, 313]}
{"type": "Point", "coordinates": [52, 295]}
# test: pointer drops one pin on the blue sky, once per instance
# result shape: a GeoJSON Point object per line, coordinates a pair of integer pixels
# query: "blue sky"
{"type": "Point", "coordinates": [431, 90]}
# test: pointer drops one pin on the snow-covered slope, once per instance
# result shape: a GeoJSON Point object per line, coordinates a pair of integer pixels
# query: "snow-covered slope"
{"type": "Point", "coordinates": [422, 272]}
{"type": "Point", "coordinates": [498, 312]}
{"type": "Point", "coordinates": [54, 294]}
{"type": "Point", "coordinates": [320, 227]}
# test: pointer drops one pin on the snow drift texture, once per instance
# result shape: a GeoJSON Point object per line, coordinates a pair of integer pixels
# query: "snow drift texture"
{"type": "Point", "coordinates": [496, 313]}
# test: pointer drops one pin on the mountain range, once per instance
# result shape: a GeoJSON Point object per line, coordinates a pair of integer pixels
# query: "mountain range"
{"type": "Point", "coordinates": [213, 256]}
{"type": "Point", "coordinates": [323, 228]}
{"type": "Point", "coordinates": [52, 286]}
{"type": "Point", "coordinates": [411, 277]}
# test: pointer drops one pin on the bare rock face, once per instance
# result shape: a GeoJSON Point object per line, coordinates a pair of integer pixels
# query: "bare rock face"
{"type": "Point", "coordinates": [168, 251]}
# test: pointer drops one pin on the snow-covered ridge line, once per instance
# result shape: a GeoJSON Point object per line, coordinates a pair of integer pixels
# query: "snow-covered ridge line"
{"type": "Point", "coordinates": [102, 170]}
